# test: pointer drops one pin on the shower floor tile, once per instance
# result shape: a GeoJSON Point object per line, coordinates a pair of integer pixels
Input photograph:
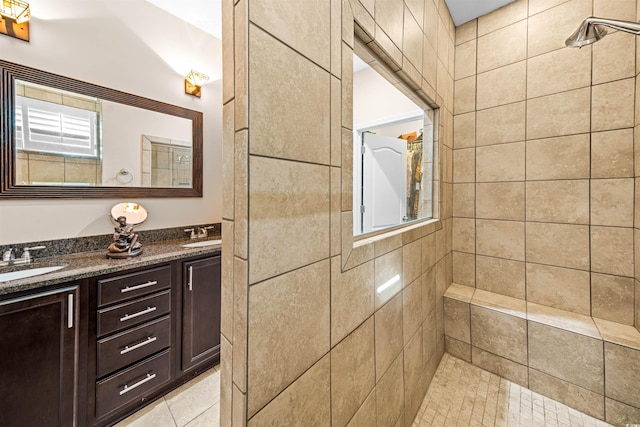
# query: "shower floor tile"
{"type": "Point", "coordinates": [464, 395]}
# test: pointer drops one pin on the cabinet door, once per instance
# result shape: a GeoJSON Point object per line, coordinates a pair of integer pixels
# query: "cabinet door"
{"type": "Point", "coordinates": [38, 341]}
{"type": "Point", "coordinates": [200, 311]}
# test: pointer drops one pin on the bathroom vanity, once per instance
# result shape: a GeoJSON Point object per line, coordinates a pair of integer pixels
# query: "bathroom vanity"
{"type": "Point", "coordinates": [93, 342]}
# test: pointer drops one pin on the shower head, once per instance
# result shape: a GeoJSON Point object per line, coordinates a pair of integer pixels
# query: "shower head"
{"type": "Point", "coordinates": [591, 30]}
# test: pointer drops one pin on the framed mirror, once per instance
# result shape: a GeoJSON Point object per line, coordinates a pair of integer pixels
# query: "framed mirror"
{"type": "Point", "coordinates": [65, 138]}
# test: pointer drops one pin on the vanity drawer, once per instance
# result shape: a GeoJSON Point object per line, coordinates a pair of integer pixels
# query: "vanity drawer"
{"type": "Point", "coordinates": [133, 313]}
{"type": "Point", "coordinates": [132, 383]}
{"type": "Point", "coordinates": [128, 347]}
{"type": "Point", "coordinates": [125, 287]}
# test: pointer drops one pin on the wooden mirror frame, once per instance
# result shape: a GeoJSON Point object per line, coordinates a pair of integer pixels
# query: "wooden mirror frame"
{"type": "Point", "coordinates": [8, 188]}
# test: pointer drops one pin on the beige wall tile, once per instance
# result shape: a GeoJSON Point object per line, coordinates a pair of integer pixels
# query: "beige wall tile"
{"type": "Point", "coordinates": [505, 368]}
{"type": "Point", "coordinates": [501, 86]}
{"type": "Point", "coordinates": [502, 276]}
{"type": "Point", "coordinates": [549, 29]}
{"type": "Point", "coordinates": [612, 202]}
{"type": "Point", "coordinates": [46, 171]}
{"type": "Point", "coordinates": [558, 158]}
{"type": "Point", "coordinates": [542, 5]}
{"type": "Point", "coordinates": [240, 324]}
{"type": "Point", "coordinates": [559, 114]}
{"type": "Point", "coordinates": [241, 193]}
{"type": "Point", "coordinates": [412, 316]}
{"type": "Point", "coordinates": [465, 165]}
{"type": "Point", "coordinates": [336, 122]}
{"type": "Point", "coordinates": [276, 359]}
{"type": "Point", "coordinates": [502, 17]}
{"type": "Point", "coordinates": [282, 20]}
{"type": "Point", "coordinates": [499, 333]}
{"type": "Point", "coordinates": [612, 250]}
{"type": "Point", "coordinates": [389, 16]}
{"type": "Point", "coordinates": [430, 64]}
{"type": "Point", "coordinates": [464, 235]}
{"type": "Point", "coordinates": [228, 156]}
{"type": "Point", "coordinates": [612, 105]}
{"type": "Point", "coordinates": [622, 368]}
{"type": "Point", "coordinates": [458, 349]}
{"type": "Point", "coordinates": [614, 57]}
{"type": "Point", "coordinates": [612, 154]}
{"type": "Point", "coordinates": [624, 10]}
{"type": "Point", "coordinates": [239, 406]}
{"type": "Point", "coordinates": [429, 251]}
{"type": "Point", "coordinates": [620, 414]}
{"type": "Point", "coordinates": [558, 71]}
{"type": "Point", "coordinates": [353, 373]}
{"type": "Point", "coordinates": [500, 200]}
{"type": "Point", "coordinates": [388, 334]}
{"type": "Point", "coordinates": [464, 200]}
{"type": "Point", "coordinates": [429, 293]}
{"type": "Point", "coordinates": [465, 60]}
{"type": "Point", "coordinates": [411, 261]}
{"type": "Point", "coordinates": [501, 124]}
{"type": "Point", "coordinates": [430, 338]}
{"type": "Point", "coordinates": [226, 289]}
{"type": "Point", "coordinates": [502, 239]}
{"type": "Point", "coordinates": [562, 288]}
{"type": "Point", "coordinates": [464, 130]}
{"type": "Point", "coordinates": [366, 415]}
{"type": "Point", "coordinates": [413, 370]}
{"type": "Point", "coordinates": [548, 348]}
{"type": "Point", "coordinates": [576, 397]}
{"type": "Point", "coordinates": [464, 268]}
{"type": "Point", "coordinates": [386, 267]}
{"type": "Point", "coordinates": [565, 201]}
{"type": "Point", "coordinates": [287, 85]}
{"type": "Point", "coordinates": [352, 297]}
{"type": "Point", "coordinates": [504, 162]}
{"type": "Point", "coordinates": [457, 320]}
{"type": "Point", "coordinates": [466, 31]}
{"type": "Point", "coordinates": [612, 298]}
{"type": "Point", "coordinates": [308, 398]}
{"type": "Point", "coordinates": [563, 245]}
{"type": "Point", "coordinates": [304, 189]}
{"type": "Point", "coordinates": [502, 47]}
{"type": "Point", "coordinates": [412, 39]}
{"type": "Point", "coordinates": [465, 95]}
{"type": "Point", "coordinates": [390, 394]}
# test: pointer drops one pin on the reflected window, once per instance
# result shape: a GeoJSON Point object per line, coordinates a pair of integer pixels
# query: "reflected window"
{"type": "Point", "coordinates": [393, 152]}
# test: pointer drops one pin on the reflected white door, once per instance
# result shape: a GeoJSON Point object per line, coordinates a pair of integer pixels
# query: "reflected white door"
{"type": "Point", "coordinates": [384, 187]}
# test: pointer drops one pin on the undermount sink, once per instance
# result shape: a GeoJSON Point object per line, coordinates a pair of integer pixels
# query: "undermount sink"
{"type": "Point", "coordinates": [21, 274]}
{"type": "Point", "coordinates": [202, 244]}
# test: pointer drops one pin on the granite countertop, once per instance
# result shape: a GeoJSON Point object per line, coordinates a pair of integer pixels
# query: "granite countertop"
{"type": "Point", "coordinates": [95, 263]}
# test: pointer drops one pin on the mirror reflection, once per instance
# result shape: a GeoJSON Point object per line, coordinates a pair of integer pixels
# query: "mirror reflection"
{"type": "Point", "coordinates": [70, 139]}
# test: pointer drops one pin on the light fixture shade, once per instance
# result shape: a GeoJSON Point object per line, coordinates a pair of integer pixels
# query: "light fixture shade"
{"type": "Point", "coordinates": [16, 10]}
{"type": "Point", "coordinates": [193, 83]}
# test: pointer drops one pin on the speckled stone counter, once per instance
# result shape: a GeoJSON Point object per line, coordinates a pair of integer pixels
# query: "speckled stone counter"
{"type": "Point", "coordinates": [95, 263]}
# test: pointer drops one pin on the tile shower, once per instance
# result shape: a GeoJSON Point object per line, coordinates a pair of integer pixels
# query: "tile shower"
{"type": "Point", "coordinates": [545, 281]}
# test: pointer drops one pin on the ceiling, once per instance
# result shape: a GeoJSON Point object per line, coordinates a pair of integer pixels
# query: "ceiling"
{"type": "Point", "coordinates": [206, 14]}
{"type": "Point", "coordinates": [466, 10]}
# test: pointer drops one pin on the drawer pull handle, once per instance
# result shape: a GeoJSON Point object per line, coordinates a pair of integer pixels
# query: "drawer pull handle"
{"type": "Point", "coordinates": [191, 277]}
{"type": "Point", "coordinates": [127, 349]}
{"type": "Point", "coordinates": [127, 389]}
{"type": "Point", "coordinates": [135, 288]}
{"type": "Point", "coordinates": [140, 313]}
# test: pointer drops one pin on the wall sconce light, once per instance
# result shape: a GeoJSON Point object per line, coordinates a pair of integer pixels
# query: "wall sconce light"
{"type": "Point", "coordinates": [14, 18]}
{"type": "Point", "coordinates": [193, 83]}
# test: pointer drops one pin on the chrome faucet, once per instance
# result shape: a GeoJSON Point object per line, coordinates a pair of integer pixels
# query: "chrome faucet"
{"type": "Point", "coordinates": [202, 232]}
{"type": "Point", "coordinates": [9, 257]}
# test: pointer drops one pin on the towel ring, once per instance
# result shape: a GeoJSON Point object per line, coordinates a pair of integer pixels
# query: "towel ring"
{"type": "Point", "coordinates": [122, 176]}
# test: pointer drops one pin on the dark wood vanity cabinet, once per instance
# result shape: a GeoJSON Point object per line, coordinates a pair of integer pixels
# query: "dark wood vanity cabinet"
{"type": "Point", "coordinates": [39, 363]}
{"type": "Point", "coordinates": [200, 312]}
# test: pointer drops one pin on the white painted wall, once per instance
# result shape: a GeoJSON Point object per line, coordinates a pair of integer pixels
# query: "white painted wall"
{"type": "Point", "coordinates": [135, 47]}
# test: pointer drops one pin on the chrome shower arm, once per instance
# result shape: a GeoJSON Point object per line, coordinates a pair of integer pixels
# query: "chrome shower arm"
{"type": "Point", "coordinates": [626, 26]}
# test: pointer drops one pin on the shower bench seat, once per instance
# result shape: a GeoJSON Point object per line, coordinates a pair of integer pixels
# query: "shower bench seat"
{"type": "Point", "coordinates": [590, 364]}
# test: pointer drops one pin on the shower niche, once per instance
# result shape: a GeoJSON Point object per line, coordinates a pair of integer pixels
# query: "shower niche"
{"type": "Point", "coordinates": [166, 162]}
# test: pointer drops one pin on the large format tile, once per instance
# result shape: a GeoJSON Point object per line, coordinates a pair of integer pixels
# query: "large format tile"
{"type": "Point", "coordinates": [506, 368]}
{"type": "Point", "coordinates": [275, 359]}
{"type": "Point", "coordinates": [353, 373]}
{"type": "Point", "coordinates": [549, 29]}
{"type": "Point", "coordinates": [283, 19]}
{"type": "Point", "coordinates": [296, 94]}
{"type": "Point", "coordinates": [413, 371]}
{"type": "Point", "coordinates": [562, 288]}
{"type": "Point", "coordinates": [390, 394]}
{"type": "Point", "coordinates": [502, 47]}
{"type": "Point", "coordinates": [612, 250]}
{"type": "Point", "coordinates": [548, 350]}
{"type": "Point", "coordinates": [620, 414]}
{"type": "Point", "coordinates": [308, 399]}
{"type": "Point", "coordinates": [499, 333]}
{"type": "Point", "coordinates": [503, 162]}
{"type": "Point", "coordinates": [559, 114]}
{"type": "Point", "coordinates": [304, 189]}
{"type": "Point", "coordinates": [565, 157]}
{"type": "Point", "coordinates": [622, 368]}
{"type": "Point", "coordinates": [457, 320]}
{"type": "Point", "coordinates": [155, 414]}
{"type": "Point", "coordinates": [613, 58]}
{"type": "Point", "coordinates": [612, 202]}
{"type": "Point", "coordinates": [500, 200]}
{"type": "Point", "coordinates": [563, 245]}
{"type": "Point", "coordinates": [502, 124]}
{"type": "Point", "coordinates": [612, 154]}
{"type": "Point", "coordinates": [616, 333]}
{"type": "Point", "coordinates": [562, 319]}
{"type": "Point", "coordinates": [563, 201]}
{"type": "Point", "coordinates": [194, 397]}
{"type": "Point", "coordinates": [502, 239]}
{"type": "Point", "coordinates": [502, 276]}
{"type": "Point", "coordinates": [613, 105]}
{"type": "Point", "coordinates": [558, 71]}
{"type": "Point", "coordinates": [366, 415]}
{"type": "Point", "coordinates": [388, 334]}
{"type": "Point", "coordinates": [501, 86]}
{"type": "Point", "coordinates": [612, 298]}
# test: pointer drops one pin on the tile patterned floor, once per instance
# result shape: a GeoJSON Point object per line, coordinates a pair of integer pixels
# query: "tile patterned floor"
{"type": "Point", "coordinates": [460, 395]}
{"type": "Point", "coordinates": [194, 404]}
{"type": "Point", "coordinates": [464, 395]}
